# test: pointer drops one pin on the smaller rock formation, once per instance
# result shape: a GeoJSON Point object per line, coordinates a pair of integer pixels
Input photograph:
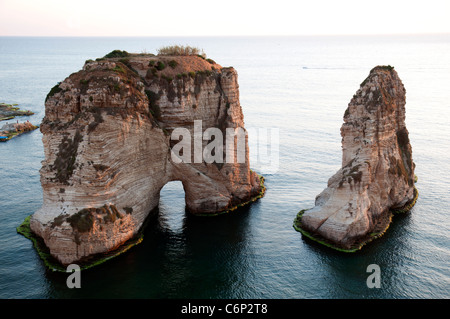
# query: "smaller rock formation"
{"type": "Point", "coordinates": [377, 174]}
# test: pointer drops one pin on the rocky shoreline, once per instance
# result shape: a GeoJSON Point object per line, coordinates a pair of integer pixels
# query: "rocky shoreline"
{"type": "Point", "coordinates": [10, 130]}
{"type": "Point", "coordinates": [10, 111]}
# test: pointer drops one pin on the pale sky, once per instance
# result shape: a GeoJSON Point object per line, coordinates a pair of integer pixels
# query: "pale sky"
{"type": "Point", "coordinates": [220, 18]}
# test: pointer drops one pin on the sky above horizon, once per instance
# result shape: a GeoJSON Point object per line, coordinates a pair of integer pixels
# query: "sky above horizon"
{"type": "Point", "coordinates": [221, 18]}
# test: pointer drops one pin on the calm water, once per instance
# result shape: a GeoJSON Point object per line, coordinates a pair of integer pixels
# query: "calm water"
{"type": "Point", "coordinates": [301, 86]}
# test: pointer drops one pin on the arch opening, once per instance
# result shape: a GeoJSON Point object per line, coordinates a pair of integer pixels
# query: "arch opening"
{"type": "Point", "coordinates": [172, 206]}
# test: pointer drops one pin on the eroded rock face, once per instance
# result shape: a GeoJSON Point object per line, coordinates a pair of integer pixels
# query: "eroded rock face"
{"type": "Point", "coordinates": [107, 141]}
{"type": "Point", "coordinates": [377, 172]}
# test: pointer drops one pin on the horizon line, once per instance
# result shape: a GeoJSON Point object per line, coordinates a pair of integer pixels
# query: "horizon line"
{"type": "Point", "coordinates": [230, 35]}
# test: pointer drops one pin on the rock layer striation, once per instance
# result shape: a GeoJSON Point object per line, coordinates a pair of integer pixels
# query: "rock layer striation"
{"type": "Point", "coordinates": [377, 174]}
{"type": "Point", "coordinates": [107, 141]}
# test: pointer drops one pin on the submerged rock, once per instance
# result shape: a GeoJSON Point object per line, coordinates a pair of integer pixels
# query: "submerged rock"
{"type": "Point", "coordinates": [377, 174]}
{"type": "Point", "coordinates": [107, 141]}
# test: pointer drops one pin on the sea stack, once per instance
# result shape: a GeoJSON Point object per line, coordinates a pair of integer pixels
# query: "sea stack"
{"type": "Point", "coordinates": [107, 135]}
{"type": "Point", "coordinates": [377, 174]}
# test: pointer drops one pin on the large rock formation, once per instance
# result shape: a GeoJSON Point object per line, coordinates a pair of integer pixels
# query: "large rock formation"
{"type": "Point", "coordinates": [377, 174]}
{"type": "Point", "coordinates": [107, 141]}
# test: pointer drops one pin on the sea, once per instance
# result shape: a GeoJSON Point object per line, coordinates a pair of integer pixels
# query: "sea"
{"type": "Point", "coordinates": [295, 88]}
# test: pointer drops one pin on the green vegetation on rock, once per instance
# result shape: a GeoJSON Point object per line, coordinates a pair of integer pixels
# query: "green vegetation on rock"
{"type": "Point", "coordinates": [10, 130]}
{"type": "Point", "coordinates": [173, 64]}
{"type": "Point", "coordinates": [160, 66]}
{"type": "Point", "coordinates": [181, 50]}
{"type": "Point", "coordinates": [52, 264]}
{"type": "Point", "coordinates": [53, 91]}
{"type": "Point", "coordinates": [43, 252]}
{"type": "Point", "coordinates": [117, 54]}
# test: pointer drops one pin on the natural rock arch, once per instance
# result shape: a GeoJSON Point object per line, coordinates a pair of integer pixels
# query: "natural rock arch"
{"type": "Point", "coordinates": [107, 142]}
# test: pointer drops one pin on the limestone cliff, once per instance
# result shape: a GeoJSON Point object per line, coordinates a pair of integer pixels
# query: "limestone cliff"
{"type": "Point", "coordinates": [107, 141]}
{"type": "Point", "coordinates": [377, 174]}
